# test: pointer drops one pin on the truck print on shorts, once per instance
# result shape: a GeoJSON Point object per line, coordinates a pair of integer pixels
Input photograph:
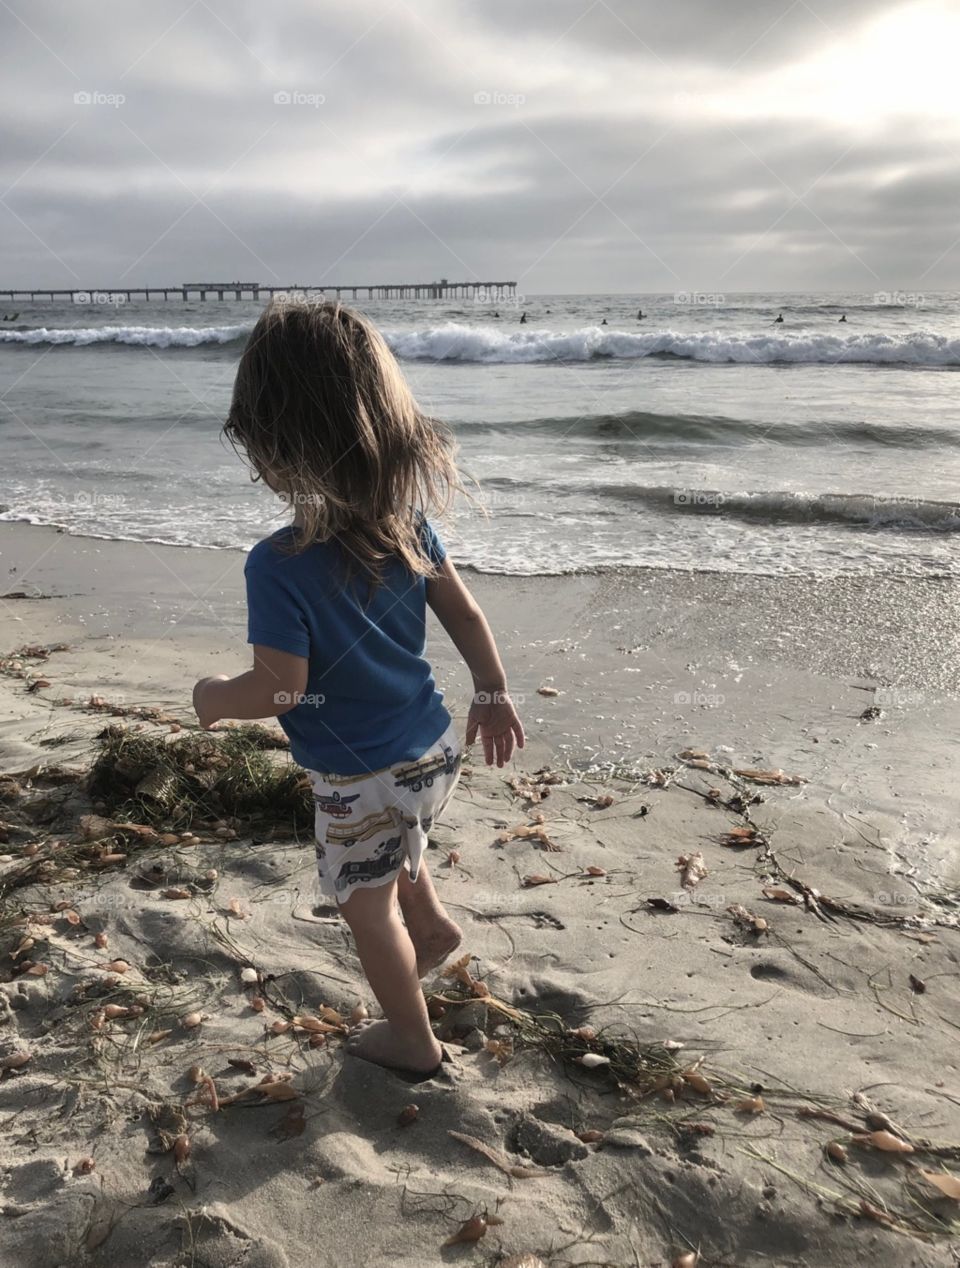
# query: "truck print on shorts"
{"type": "Point", "coordinates": [421, 774]}
{"type": "Point", "coordinates": [385, 860]}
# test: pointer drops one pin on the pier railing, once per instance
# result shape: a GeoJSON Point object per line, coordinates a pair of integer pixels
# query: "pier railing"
{"type": "Point", "coordinates": [443, 289]}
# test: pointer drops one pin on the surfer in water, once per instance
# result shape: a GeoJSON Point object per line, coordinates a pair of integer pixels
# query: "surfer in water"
{"type": "Point", "coordinates": [778, 320]}
{"type": "Point", "coordinates": [844, 317]}
{"type": "Point", "coordinates": [523, 319]}
{"type": "Point", "coordinates": [639, 314]}
{"type": "Point", "coordinates": [604, 322]}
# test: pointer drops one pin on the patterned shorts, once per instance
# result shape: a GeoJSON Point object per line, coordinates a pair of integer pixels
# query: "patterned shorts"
{"type": "Point", "coordinates": [367, 825]}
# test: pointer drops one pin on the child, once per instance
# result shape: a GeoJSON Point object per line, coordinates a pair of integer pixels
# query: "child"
{"type": "Point", "coordinates": [336, 615]}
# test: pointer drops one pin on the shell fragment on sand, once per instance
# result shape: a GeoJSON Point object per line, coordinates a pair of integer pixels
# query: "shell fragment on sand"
{"type": "Point", "coordinates": [692, 869]}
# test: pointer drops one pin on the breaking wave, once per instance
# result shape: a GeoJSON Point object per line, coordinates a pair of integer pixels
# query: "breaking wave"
{"type": "Point", "coordinates": [483, 345]}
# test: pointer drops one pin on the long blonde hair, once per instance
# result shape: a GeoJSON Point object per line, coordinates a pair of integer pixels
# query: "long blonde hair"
{"type": "Point", "coordinates": [322, 412]}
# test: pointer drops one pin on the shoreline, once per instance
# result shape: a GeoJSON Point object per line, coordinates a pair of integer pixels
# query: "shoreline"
{"type": "Point", "coordinates": [26, 526]}
{"type": "Point", "coordinates": [60, 565]}
{"type": "Point", "coordinates": [775, 671]}
{"type": "Point", "coordinates": [582, 570]}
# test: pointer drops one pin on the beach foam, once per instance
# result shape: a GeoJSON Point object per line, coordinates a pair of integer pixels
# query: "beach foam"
{"type": "Point", "coordinates": [485, 345]}
{"type": "Point", "coordinates": [138, 336]}
{"type": "Point", "coordinates": [454, 342]}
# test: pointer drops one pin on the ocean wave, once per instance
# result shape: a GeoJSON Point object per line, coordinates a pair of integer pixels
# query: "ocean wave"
{"type": "Point", "coordinates": [484, 345]}
{"type": "Point", "coordinates": [137, 336]}
{"type": "Point", "coordinates": [454, 342]}
{"type": "Point", "coordinates": [718, 429]}
{"type": "Point", "coordinates": [781, 506]}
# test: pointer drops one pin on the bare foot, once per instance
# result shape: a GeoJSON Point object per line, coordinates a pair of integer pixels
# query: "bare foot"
{"type": "Point", "coordinates": [378, 1042]}
{"type": "Point", "coordinates": [433, 946]}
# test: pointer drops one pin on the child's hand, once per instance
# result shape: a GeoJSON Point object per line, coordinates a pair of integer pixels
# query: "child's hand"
{"type": "Point", "coordinates": [202, 704]}
{"type": "Point", "coordinates": [493, 715]}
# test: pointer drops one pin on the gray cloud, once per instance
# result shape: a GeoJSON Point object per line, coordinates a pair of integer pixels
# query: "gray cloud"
{"type": "Point", "coordinates": [740, 32]}
{"type": "Point", "coordinates": [399, 171]}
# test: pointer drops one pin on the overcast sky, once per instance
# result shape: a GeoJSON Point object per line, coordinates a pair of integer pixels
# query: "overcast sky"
{"type": "Point", "coordinates": [622, 145]}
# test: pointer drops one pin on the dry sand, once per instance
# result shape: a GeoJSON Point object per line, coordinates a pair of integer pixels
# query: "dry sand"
{"type": "Point", "coordinates": [846, 1002]}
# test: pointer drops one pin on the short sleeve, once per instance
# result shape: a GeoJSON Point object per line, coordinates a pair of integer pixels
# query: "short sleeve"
{"type": "Point", "coordinates": [275, 615]}
{"type": "Point", "coordinates": [433, 547]}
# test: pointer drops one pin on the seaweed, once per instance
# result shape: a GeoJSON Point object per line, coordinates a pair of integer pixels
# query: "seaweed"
{"type": "Point", "coordinates": [174, 780]}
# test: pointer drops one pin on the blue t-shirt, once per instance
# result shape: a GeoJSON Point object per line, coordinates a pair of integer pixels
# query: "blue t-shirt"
{"type": "Point", "coordinates": [370, 700]}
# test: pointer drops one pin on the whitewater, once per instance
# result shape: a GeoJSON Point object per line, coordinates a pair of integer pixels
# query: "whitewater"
{"type": "Point", "coordinates": [487, 345]}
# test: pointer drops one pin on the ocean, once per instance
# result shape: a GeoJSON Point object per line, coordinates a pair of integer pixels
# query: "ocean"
{"type": "Point", "coordinates": [704, 436]}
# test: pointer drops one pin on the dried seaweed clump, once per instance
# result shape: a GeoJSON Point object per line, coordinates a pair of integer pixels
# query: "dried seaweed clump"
{"type": "Point", "coordinates": [174, 780]}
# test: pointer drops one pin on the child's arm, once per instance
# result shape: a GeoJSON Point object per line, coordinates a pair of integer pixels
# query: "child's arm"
{"type": "Point", "coordinates": [491, 712]}
{"type": "Point", "coordinates": [272, 687]}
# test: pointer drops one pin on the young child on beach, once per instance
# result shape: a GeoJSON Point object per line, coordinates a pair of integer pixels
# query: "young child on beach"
{"type": "Point", "coordinates": [336, 615]}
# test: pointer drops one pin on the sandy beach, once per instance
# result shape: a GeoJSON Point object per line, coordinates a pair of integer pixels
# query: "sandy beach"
{"type": "Point", "coordinates": [775, 1013]}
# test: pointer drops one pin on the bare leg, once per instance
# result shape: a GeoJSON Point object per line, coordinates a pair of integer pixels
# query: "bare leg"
{"type": "Point", "coordinates": [434, 934]}
{"type": "Point", "coordinates": [388, 958]}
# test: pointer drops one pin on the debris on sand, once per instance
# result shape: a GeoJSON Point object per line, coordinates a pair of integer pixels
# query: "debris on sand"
{"type": "Point", "coordinates": [703, 761]}
{"type": "Point", "coordinates": [473, 1229]}
{"type": "Point", "coordinates": [536, 787]}
{"type": "Point", "coordinates": [692, 869]}
{"type": "Point", "coordinates": [175, 780]}
{"type": "Point", "coordinates": [747, 920]}
{"type": "Point", "coordinates": [745, 836]}
{"type": "Point", "coordinates": [535, 831]}
{"type": "Point", "coordinates": [500, 1160]}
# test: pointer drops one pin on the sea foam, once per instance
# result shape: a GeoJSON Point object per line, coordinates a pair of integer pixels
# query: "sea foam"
{"type": "Point", "coordinates": [454, 342]}
{"type": "Point", "coordinates": [138, 336]}
{"type": "Point", "coordinates": [491, 346]}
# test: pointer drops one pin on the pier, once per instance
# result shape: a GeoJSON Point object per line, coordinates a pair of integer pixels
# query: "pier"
{"type": "Point", "coordinates": [442, 289]}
